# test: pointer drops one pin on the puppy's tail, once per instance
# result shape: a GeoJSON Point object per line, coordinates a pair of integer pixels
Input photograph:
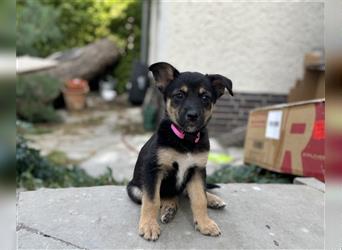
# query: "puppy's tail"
{"type": "Point", "coordinates": [134, 192]}
{"type": "Point", "coordinates": [211, 186]}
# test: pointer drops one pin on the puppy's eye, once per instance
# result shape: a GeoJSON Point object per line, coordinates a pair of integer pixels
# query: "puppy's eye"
{"type": "Point", "coordinates": [179, 96]}
{"type": "Point", "coordinates": [205, 98]}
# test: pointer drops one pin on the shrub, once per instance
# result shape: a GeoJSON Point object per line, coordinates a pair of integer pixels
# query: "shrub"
{"type": "Point", "coordinates": [35, 171]}
{"type": "Point", "coordinates": [56, 25]}
{"type": "Point", "coordinates": [7, 25]}
{"type": "Point", "coordinates": [248, 174]}
{"type": "Point", "coordinates": [36, 28]}
{"type": "Point", "coordinates": [127, 29]}
{"type": "Point", "coordinates": [80, 22]}
{"type": "Point", "coordinates": [34, 97]}
{"type": "Point", "coordinates": [48, 26]}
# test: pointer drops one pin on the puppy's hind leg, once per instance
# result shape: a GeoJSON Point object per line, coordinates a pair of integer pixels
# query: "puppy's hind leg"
{"type": "Point", "coordinates": [215, 201]}
{"type": "Point", "coordinates": [168, 209]}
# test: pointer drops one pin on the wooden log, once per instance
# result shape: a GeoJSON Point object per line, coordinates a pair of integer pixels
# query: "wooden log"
{"type": "Point", "coordinates": [85, 62]}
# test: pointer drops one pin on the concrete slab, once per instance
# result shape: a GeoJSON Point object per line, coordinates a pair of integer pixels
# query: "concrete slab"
{"type": "Point", "coordinates": [311, 182]}
{"type": "Point", "coordinates": [37, 241]}
{"type": "Point", "coordinates": [257, 217]}
{"type": "Point", "coordinates": [7, 217]}
{"type": "Point", "coordinates": [120, 155]}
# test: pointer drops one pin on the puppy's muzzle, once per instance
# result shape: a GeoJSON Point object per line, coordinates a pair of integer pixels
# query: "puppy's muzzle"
{"type": "Point", "coordinates": [191, 116]}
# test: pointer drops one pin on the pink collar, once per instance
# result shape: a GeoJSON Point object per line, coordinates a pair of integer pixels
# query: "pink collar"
{"type": "Point", "coordinates": [180, 134]}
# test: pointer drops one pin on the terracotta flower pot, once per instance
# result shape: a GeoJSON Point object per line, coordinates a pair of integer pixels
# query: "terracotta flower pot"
{"type": "Point", "coordinates": [75, 93]}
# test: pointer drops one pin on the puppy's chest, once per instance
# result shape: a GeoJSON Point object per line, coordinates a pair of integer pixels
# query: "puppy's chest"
{"type": "Point", "coordinates": [180, 163]}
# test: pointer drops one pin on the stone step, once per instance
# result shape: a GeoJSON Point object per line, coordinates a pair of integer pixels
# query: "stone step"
{"type": "Point", "coordinates": [267, 216]}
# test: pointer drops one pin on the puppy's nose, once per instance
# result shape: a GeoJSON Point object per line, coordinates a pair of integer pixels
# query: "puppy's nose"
{"type": "Point", "coordinates": [192, 116]}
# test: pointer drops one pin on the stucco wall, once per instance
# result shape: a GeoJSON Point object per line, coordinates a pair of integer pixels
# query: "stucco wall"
{"type": "Point", "coordinates": [260, 46]}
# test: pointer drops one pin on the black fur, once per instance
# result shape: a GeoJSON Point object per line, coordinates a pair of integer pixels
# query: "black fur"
{"type": "Point", "coordinates": [146, 168]}
{"type": "Point", "coordinates": [193, 103]}
{"type": "Point", "coordinates": [130, 193]}
{"type": "Point", "coordinates": [211, 186]}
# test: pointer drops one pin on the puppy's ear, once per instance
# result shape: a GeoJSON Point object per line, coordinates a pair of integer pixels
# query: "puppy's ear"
{"type": "Point", "coordinates": [163, 74]}
{"type": "Point", "coordinates": [220, 83]}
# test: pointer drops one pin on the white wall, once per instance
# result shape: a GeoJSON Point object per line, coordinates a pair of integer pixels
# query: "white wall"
{"type": "Point", "coordinates": [260, 46]}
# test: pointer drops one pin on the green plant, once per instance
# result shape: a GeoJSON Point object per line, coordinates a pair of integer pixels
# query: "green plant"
{"type": "Point", "coordinates": [248, 174]}
{"type": "Point", "coordinates": [76, 23]}
{"type": "Point", "coordinates": [47, 26]}
{"type": "Point", "coordinates": [34, 171]}
{"type": "Point", "coordinates": [7, 25]}
{"type": "Point", "coordinates": [127, 29]}
{"type": "Point", "coordinates": [83, 21]}
{"type": "Point", "coordinates": [36, 27]}
{"type": "Point", "coordinates": [23, 127]}
{"type": "Point", "coordinates": [59, 158]}
{"type": "Point", "coordinates": [34, 96]}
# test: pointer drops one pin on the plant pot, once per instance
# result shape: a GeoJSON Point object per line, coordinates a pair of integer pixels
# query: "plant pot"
{"type": "Point", "coordinates": [76, 84]}
{"type": "Point", "coordinates": [75, 93]}
{"type": "Point", "coordinates": [75, 99]}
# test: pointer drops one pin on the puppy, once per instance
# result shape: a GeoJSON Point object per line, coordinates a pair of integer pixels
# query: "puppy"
{"type": "Point", "coordinates": [173, 160]}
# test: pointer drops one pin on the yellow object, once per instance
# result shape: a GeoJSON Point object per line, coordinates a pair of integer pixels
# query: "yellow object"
{"type": "Point", "coordinates": [220, 158]}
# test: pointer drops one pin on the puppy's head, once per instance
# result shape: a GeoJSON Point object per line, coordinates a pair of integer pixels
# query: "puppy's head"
{"type": "Point", "coordinates": [189, 96]}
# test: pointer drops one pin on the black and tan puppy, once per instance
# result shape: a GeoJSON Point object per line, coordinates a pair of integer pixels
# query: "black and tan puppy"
{"type": "Point", "coordinates": [173, 161]}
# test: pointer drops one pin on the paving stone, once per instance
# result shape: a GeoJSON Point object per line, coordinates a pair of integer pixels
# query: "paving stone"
{"type": "Point", "coordinates": [268, 216]}
{"type": "Point", "coordinates": [310, 181]}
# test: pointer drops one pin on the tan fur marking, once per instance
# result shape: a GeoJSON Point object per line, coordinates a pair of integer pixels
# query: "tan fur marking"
{"type": "Point", "coordinates": [166, 156]}
{"type": "Point", "coordinates": [214, 201]}
{"type": "Point", "coordinates": [208, 113]}
{"type": "Point", "coordinates": [199, 203]}
{"type": "Point", "coordinates": [201, 90]}
{"type": "Point", "coordinates": [184, 88]}
{"type": "Point", "coordinates": [169, 202]}
{"type": "Point", "coordinates": [172, 112]}
{"type": "Point", "coordinates": [148, 225]}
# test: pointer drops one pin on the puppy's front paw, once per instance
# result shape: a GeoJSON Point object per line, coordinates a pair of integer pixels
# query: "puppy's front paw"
{"type": "Point", "coordinates": [150, 230]}
{"type": "Point", "coordinates": [208, 227]}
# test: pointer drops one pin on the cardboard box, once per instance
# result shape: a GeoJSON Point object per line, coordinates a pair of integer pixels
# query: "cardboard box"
{"type": "Point", "coordinates": [311, 87]}
{"type": "Point", "coordinates": [288, 138]}
{"type": "Point", "coordinates": [314, 59]}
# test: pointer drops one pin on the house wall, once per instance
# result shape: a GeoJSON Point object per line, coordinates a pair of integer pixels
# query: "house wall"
{"type": "Point", "coordinates": [260, 46]}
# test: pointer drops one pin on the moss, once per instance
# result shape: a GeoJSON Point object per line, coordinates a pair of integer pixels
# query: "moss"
{"type": "Point", "coordinates": [60, 158]}
{"type": "Point", "coordinates": [92, 121]}
{"type": "Point", "coordinates": [35, 130]}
